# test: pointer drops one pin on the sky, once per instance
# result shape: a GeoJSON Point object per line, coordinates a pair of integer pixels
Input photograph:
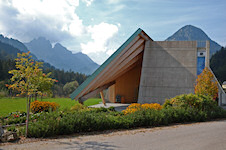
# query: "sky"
{"type": "Point", "coordinates": [99, 27]}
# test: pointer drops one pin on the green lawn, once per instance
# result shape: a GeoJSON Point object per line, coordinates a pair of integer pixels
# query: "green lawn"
{"type": "Point", "coordinates": [8, 105]}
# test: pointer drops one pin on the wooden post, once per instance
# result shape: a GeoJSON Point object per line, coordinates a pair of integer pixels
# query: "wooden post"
{"type": "Point", "coordinates": [102, 97]}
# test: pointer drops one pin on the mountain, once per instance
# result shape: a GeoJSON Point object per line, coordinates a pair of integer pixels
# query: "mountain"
{"type": "Point", "coordinates": [10, 47]}
{"type": "Point", "coordinates": [192, 33]}
{"type": "Point", "coordinates": [7, 51]}
{"type": "Point", "coordinates": [60, 57]}
{"type": "Point", "coordinates": [16, 44]}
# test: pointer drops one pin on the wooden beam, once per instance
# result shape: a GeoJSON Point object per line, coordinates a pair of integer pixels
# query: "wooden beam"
{"type": "Point", "coordinates": [128, 66]}
{"type": "Point", "coordinates": [122, 65]}
{"type": "Point", "coordinates": [94, 92]}
{"type": "Point", "coordinates": [87, 88]}
{"type": "Point", "coordinates": [145, 36]}
{"type": "Point", "coordinates": [132, 63]}
{"type": "Point", "coordinates": [102, 97]}
{"type": "Point", "coordinates": [133, 52]}
{"type": "Point", "coordinates": [113, 67]}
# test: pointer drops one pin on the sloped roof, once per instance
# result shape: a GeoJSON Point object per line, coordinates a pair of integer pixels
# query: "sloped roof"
{"type": "Point", "coordinates": [117, 64]}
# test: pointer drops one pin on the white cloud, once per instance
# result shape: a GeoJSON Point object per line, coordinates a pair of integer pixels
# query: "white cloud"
{"type": "Point", "coordinates": [113, 1]}
{"type": "Point", "coordinates": [88, 2]}
{"type": "Point", "coordinates": [57, 21]}
{"type": "Point", "coordinates": [41, 18]}
{"type": "Point", "coordinates": [110, 52]}
{"type": "Point", "coordinates": [100, 34]}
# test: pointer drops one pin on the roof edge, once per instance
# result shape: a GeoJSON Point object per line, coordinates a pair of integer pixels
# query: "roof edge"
{"type": "Point", "coordinates": [108, 61]}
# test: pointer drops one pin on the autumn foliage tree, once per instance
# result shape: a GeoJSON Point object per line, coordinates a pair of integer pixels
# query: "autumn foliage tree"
{"type": "Point", "coordinates": [29, 80]}
{"type": "Point", "coordinates": [206, 85]}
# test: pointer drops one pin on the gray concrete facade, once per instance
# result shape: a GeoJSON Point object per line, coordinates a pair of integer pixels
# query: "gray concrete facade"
{"type": "Point", "coordinates": [221, 93]}
{"type": "Point", "coordinates": [169, 68]}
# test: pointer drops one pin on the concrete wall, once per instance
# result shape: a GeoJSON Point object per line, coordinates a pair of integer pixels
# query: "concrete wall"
{"type": "Point", "coordinates": [222, 97]}
{"type": "Point", "coordinates": [168, 69]}
{"type": "Point", "coordinates": [221, 94]}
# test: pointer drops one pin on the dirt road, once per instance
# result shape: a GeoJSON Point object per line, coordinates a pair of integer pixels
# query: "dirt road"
{"type": "Point", "coordinates": [196, 136]}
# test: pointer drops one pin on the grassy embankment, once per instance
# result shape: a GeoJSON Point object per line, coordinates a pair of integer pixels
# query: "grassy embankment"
{"type": "Point", "coordinates": [8, 105]}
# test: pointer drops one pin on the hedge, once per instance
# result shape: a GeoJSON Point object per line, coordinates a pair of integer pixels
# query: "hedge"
{"type": "Point", "coordinates": [59, 123]}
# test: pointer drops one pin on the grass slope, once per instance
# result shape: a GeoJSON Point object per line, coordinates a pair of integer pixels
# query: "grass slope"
{"type": "Point", "coordinates": [8, 105]}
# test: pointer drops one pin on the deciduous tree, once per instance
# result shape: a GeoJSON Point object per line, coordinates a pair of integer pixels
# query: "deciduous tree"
{"type": "Point", "coordinates": [28, 79]}
{"type": "Point", "coordinates": [70, 87]}
{"type": "Point", "coordinates": [206, 85]}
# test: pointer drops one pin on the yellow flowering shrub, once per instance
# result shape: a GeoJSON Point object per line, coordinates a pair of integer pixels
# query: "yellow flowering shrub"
{"type": "Point", "coordinates": [136, 107]}
{"type": "Point", "coordinates": [38, 106]}
{"type": "Point", "coordinates": [152, 106]}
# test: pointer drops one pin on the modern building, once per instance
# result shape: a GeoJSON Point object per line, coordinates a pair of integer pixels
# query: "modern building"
{"type": "Point", "coordinates": [147, 71]}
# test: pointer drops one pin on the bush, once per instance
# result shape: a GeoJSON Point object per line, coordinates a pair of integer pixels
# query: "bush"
{"type": "Point", "coordinates": [155, 106]}
{"type": "Point", "coordinates": [180, 109]}
{"type": "Point", "coordinates": [12, 128]}
{"type": "Point", "coordinates": [38, 106]}
{"type": "Point", "coordinates": [18, 118]}
{"type": "Point", "coordinates": [78, 107]}
{"type": "Point", "coordinates": [61, 123]}
{"type": "Point", "coordinates": [47, 125]}
{"type": "Point", "coordinates": [3, 93]}
{"type": "Point", "coordinates": [199, 102]}
{"type": "Point", "coordinates": [137, 107]}
{"type": "Point", "coordinates": [13, 118]}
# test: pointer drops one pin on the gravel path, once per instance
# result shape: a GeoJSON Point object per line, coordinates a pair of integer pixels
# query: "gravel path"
{"type": "Point", "coordinates": [196, 136]}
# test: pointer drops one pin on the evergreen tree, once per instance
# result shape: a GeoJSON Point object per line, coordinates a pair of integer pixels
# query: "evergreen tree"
{"type": "Point", "coordinates": [218, 64]}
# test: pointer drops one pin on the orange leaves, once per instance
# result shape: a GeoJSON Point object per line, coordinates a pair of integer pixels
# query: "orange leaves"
{"type": "Point", "coordinates": [206, 85]}
{"type": "Point", "coordinates": [38, 106]}
{"type": "Point", "coordinates": [136, 107]}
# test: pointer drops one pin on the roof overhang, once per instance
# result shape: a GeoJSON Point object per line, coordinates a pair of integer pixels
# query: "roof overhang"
{"type": "Point", "coordinates": [117, 64]}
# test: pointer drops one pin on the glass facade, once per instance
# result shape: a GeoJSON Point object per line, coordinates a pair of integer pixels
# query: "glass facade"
{"type": "Point", "coordinates": [200, 64]}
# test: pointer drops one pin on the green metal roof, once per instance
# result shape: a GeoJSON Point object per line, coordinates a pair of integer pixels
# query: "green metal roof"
{"type": "Point", "coordinates": [93, 76]}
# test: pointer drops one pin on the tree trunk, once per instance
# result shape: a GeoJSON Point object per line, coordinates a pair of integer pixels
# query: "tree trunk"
{"type": "Point", "coordinates": [28, 114]}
